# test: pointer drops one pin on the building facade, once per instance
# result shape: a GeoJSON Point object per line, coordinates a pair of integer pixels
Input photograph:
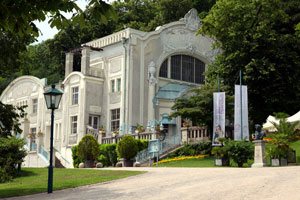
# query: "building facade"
{"type": "Point", "coordinates": [127, 78]}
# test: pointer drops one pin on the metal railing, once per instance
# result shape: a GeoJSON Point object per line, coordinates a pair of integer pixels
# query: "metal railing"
{"type": "Point", "coordinates": [33, 146]}
{"type": "Point", "coordinates": [44, 152]}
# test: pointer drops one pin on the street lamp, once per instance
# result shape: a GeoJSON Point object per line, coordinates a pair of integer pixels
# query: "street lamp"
{"type": "Point", "coordinates": [52, 97]}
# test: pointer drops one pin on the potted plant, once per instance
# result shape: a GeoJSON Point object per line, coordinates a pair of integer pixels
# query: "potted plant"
{"type": "Point", "coordinates": [280, 141]}
{"type": "Point", "coordinates": [88, 150]}
{"type": "Point", "coordinates": [186, 124]}
{"type": "Point", "coordinates": [31, 135]}
{"type": "Point", "coordinates": [40, 134]}
{"type": "Point", "coordinates": [101, 130]}
{"type": "Point", "coordinates": [139, 128]}
{"type": "Point", "coordinates": [221, 156]}
{"type": "Point", "coordinates": [127, 149]}
{"type": "Point", "coordinates": [116, 132]}
{"type": "Point", "coordinates": [278, 155]}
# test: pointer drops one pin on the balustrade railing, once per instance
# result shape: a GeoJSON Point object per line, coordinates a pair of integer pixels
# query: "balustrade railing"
{"type": "Point", "coordinates": [33, 146]}
{"type": "Point", "coordinates": [44, 152]}
{"type": "Point", "coordinates": [194, 134]}
{"type": "Point", "coordinates": [91, 131]}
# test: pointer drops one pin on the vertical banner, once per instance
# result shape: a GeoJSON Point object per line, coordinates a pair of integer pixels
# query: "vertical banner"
{"type": "Point", "coordinates": [219, 117]}
{"type": "Point", "coordinates": [241, 113]}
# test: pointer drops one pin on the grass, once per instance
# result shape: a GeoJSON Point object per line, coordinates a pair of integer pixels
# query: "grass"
{"type": "Point", "coordinates": [209, 161]}
{"type": "Point", "coordinates": [35, 180]}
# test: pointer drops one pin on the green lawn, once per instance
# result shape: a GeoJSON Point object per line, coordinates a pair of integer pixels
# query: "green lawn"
{"type": "Point", "coordinates": [35, 180]}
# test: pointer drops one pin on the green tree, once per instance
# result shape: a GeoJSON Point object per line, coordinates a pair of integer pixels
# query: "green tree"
{"type": "Point", "coordinates": [9, 119]}
{"type": "Point", "coordinates": [258, 37]}
{"type": "Point", "coordinates": [88, 148]}
{"type": "Point", "coordinates": [199, 106]}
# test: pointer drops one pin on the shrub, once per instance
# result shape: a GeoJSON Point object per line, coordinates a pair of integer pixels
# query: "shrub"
{"type": "Point", "coordinates": [201, 148]}
{"type": "Point", "coordinates": [142, 144]}
{"type": "Point", "coordinates": [219, 152]}
{"type": "Point", "coordinates": [127, 148]}
{"type": "Point", "coordinates": [108, 154]}
{"type": "Point", "coordinates": [12, 153]}
{"type": "Point", "coordinates": [239, 151]}
{"type": "Point", "coordinates": [76, 160]}
{"type": "Point", "coordinates": [88, 148]}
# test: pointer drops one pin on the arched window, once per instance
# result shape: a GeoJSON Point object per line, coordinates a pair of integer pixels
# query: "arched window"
{"type": "Point", "coordinates": [183, 68]}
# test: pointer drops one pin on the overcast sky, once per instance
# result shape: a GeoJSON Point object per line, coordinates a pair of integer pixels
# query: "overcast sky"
{"type": "Point", "coordinates": [47, 31]}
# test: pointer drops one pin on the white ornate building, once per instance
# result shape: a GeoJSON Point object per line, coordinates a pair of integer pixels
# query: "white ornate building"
{"type": "Point", "coordinates": [126, 78]}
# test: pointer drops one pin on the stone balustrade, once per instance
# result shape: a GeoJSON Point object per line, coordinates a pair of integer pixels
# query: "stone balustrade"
{"type": "Point", "coordinates": [194, 134]}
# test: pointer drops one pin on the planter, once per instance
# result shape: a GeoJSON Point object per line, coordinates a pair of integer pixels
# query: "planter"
{"type": "Point", "coordinates": [276, 162]}
{"type": "Point", "coordinates": [126, 163]}
{"type": "Point", "coordinates": [221, 162]}
{"type": "Point", "coordinates": [292, 157]}
{"type": "Point", "coordinates": [89, 164]}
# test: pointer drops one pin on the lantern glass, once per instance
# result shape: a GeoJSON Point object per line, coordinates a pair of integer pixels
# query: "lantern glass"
{"type": "Point", "coordinates": [53, 97]}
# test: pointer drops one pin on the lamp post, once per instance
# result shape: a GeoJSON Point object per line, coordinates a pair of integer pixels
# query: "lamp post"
{"type": "Point", "coordinates": [52, 97]}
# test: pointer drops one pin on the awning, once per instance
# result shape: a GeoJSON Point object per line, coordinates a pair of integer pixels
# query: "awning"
{"type": "Point", "coordinates": [165, 120]}
{"type": "Point", "coordinates": [171, 91]}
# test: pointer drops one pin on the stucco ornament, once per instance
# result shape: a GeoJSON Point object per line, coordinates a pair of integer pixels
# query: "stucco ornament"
{"type": "Point", "coordinates": [211, 54]}
{"type": "Point", "coordinates": [151, 71]}
{"type": "Point", "coordinates": [192, 20]}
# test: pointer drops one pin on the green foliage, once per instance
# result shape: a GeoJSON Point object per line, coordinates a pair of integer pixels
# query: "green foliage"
{"type": "Point", "coordinates": [202, 148]}
{"type": "Point", "coordinates": [88, 148]}
{"type": "Point", "coordinates": [199, 107]}
{"type": "Point", "coordinates": [259, 38]}
{"type": "Point", "coordinates": [127, 148]}
{"type": "Point", "coordinates": [282, 139]}
{"type": "Point", "coordinates": [219, 152]}
{"type": "Point", "coordinates": [108, 155]}
{"type": "Point", "coordinates": [12, 153]}
{"type": "Point", "coordinates": [239, 151]}
{"type": "Point", "coordinates": [10, 116]}
{"type": "Point", "coordinates": [76, 160]}
{"type": "Point", "coordinates": [274, 152]}
{"type": "Point", "coordinates": [142, 144]}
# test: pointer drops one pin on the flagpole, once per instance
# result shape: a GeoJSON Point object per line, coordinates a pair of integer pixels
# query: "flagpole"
{"type": "Point", "coordinates": [241, 96]}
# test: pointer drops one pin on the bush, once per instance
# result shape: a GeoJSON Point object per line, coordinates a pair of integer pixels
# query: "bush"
{"type": "Point", "coordinates": [142, 144]}
{"type": "Point", "coordinates": [12, 153]}
{"type": "Point", "coordinates": [76, 159]}
{"type": "Point", "coordinates": [108, 154]}
{"type": "Point", "coordinates": [127, 148]}
{"type": "Point", "coordinates": [88, 148]}
{"type": "Point", "coordinates": [201, 148]}
{"type": "Point", "coordinates": [239, 151]}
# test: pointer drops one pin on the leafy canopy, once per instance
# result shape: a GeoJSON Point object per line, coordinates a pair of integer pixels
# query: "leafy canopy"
{"type": "Point", "coordinates": [258, 37]}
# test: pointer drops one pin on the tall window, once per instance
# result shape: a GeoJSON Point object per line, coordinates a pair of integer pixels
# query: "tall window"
{"type": "Point", "coordinates": [183, 68]}
{"type": "Point", "coordinates": [119, 85]}
{"type": "Point", "coordinates": [34, 105]}
{"type": "Point", "coordinates": [115, 119]}
{"type": "Point", "coordinates": [74, 95]}
{"type": "Point", "coordinates": [94, 121]}
{"type": "Point", "coordinates": [74, 124]}
{"type": "Point", "coordinates": [112, 86]}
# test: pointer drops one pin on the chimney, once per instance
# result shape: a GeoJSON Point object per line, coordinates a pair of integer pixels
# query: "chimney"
{"type": "Point", "coordinates": [69, 64]}
{"type": "Point", "coordinates": [85, 60]}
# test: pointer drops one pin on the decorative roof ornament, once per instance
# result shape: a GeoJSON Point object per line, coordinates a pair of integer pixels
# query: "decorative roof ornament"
{"type": "Point", "coordinates": [151, 72]}
{"type": "Point", "coordinates": [192, 20]}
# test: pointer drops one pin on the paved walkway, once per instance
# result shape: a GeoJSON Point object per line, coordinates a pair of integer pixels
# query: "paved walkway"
{"type": "Point", "coordinates": [282, 183]}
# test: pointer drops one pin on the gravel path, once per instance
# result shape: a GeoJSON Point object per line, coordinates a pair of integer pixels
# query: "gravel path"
{"type": "Point", "coordinates": [282, 183]}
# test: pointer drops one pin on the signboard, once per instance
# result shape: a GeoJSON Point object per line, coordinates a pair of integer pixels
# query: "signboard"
{"type": "Point", "coordinates": [154, 146]}
{"type": "Point", "coordinates": [219, 117]}
{"type": "Point", "coordinates": [241, 113]}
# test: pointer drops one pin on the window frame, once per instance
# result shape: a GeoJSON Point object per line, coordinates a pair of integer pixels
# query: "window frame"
{"type": "Point", "coordinates": [35, 105]}
{"type": "Point", "coordinates": [115, 119]}
{"type": "Point", "coordinates": [75, 95]}
{"type": "Point", "coordinates": [73, 122]}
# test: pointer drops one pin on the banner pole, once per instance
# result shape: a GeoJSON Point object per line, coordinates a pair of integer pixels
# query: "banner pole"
{"type": "Point", "coordinates": [218, 83]}
{"type": "Point", "coordinates": [241, 96]}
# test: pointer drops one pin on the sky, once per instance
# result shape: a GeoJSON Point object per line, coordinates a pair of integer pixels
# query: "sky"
{"type": "Point", "coordinates": [47, 31]}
